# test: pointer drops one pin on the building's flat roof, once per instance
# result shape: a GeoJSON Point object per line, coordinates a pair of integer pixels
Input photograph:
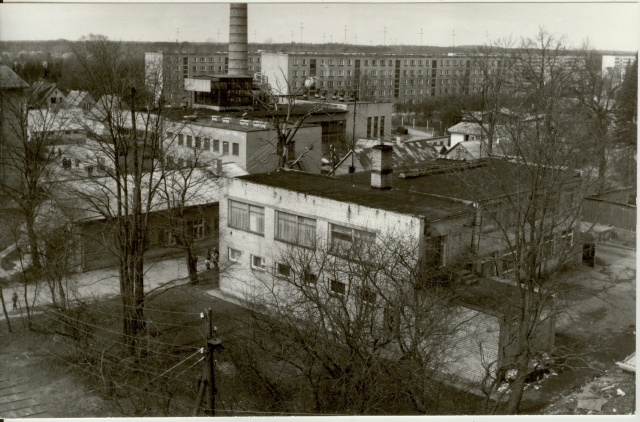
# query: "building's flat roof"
{"type": "Point", "coordinates": [482, 180]}
{"type": "Point", "coordinates": [343, 190]}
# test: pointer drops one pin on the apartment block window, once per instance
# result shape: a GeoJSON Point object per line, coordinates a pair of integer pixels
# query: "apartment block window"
{"type": "Point", "coordinates": [331, 61]}
{"type": "Point", "coordinates": [337, 287]}
{"type": "Point", "coordinates": [373, 72]}
{"type": "Point", "coordinates": [258, 263]}
{"type": "Point", "coordinates": [198, 142]}
{"type": "Point", "coordinates": [322, 73]}
{"type": "Point", "coordinates": [321, 61]}
{"type": "Point", "coordinates": [419, 62]}
{"type": "Point", "coordinates": [368, 127]}
{"type": "Point", "coordinates": [283, 270]}
{"type": "Point", "coordinates": [246, 217]}
{"type": "Point", "coordinates": [329, 83]}
{"type": "Point", "coordinates": [295, 73]}
{"type": "Point", "coordinates": [235, 149]}
{"type": "Point", "coordinates": [234, 255]}
{"type": "Point", "coordinates": [344, 238]}
{"type": "Point", "coordinates": [382, 73]}
{"type": "Point", "coordinates": [366, 294]}
{"type": "Point", "coordinates": [413, 62]}
{"type": "Point", "coordinates": [194, 68]}
{"type": "Point", "coordinates": [348, 73]}
{"type": "Point", "coordinates": [225, 148]}
{"type": "Point", "coordinates": [216, 145]}
{"type": "Point", "coordinates": [295, 61]}
{"type": "Point", "coordinates": [341, 61]}
{"type": "Point", "coordinates": [349, 62]}
{"type": "Point", "coordinates": [390, 62]}
{"type": "Point", "coordinates": [340, 83]}
{"type": "Point", "coordinates": [304, 73]}
{"type": "Point", "coordinates": [304, 61]}
{"type": "Point", "coordinates": [348, 83]}
{"type": "Point", "coordinates": [405, 72]}
{"type": "Point", "coordinates": [366, 62]}
{"type": "Point", "coordinates": [406, 62]}
{"type": "Point", "coordinates": [309, 277]}
{"type": "Point", "coordinates": [295, 229]}
{"type": "Point", "coordinates": [331, 73]}
{"type": "Point", "coordinates": [189, 141]}
{"type": "Point", "coordinates": [180, 139]}
{"type": "Point", "coordinates": [203, 68]}
{"type": "Point", "coordinates": [169, 135]}
{"type": "Point", "coordinates": [207, 144]}
{"type": "Point", "coordinates": [340, 72]}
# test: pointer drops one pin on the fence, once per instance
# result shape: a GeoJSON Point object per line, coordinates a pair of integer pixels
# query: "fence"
{"type": "Point", "coordinates": [601, 211]}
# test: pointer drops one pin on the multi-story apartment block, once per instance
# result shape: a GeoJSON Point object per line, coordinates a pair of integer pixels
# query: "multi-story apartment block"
{"type": "Point", "coordinates": [384, 77]}
{"type": "Point", "coordinates": [166, 71]}
{"type": "Point", "coordinates": [616, 62]}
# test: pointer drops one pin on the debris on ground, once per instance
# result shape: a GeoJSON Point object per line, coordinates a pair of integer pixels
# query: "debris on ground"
{"type": "Point", "coordinates": [620, 392]}
{"type": "Point", "coordinates": [592, 403]}
{"type": "Point", "coordinates": [609, 387]}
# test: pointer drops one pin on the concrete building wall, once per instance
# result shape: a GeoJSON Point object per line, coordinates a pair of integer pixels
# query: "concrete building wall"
{"type": "Point", "coordinates": [276, 72]}
{"type": "Point", "coordinates": [240, 279]}
{"type": "Point", "coordinates": [261, 150]}
{"type": "Point", "coordinates": [474, 346]}
{"type": "Point", "coordinates": [253, 150]}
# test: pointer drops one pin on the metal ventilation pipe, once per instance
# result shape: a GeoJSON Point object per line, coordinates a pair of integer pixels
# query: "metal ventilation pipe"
{"type": "Point", "coordinates": [238, 48]}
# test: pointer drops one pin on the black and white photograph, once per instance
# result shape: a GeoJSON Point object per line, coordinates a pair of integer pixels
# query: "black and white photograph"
{"type": "Point", "coordinates": [307, 209]}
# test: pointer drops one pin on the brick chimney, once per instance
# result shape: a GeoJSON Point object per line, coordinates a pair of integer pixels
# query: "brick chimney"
{"type": "Point", "coordinates": [381, 166]}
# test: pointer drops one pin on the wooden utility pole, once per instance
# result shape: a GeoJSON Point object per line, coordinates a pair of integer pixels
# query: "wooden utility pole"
{"type": "Point", "coordinates": [213, 343]}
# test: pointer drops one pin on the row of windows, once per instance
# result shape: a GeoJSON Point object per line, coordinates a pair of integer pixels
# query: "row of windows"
{"type": "Point", "coordinates": [296, 229]}
{"type": "Point", "coordinates": [283, 270]}
{"type": "Point", "coordinates": [219, 59]}
{"type": "Point", "coordinates": [390, 62]}
{"type": "Point", "coordinates": [205, 144]}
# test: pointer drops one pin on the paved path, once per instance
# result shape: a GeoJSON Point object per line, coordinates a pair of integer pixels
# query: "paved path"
{"type": "Point", "coordinates": [103, 283]}
{"type": "Point", "coordinates": [16, 401]}
{"type": "Point", "coordinates": [604, 297]}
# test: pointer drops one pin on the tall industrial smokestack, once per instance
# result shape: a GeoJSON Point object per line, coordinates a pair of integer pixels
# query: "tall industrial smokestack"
{"type": "Point", "coordinates": [238, 48]}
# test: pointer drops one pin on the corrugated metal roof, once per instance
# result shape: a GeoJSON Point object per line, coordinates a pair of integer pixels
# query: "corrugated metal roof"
{"type": "Point", "coordinates": [9, 79]}
{"type": "Point", "coordinates": [406, 153]}
{"type": "Point", "coordinates": [467, 128]}
{"type": "Point", "coordinates": [75, 98]}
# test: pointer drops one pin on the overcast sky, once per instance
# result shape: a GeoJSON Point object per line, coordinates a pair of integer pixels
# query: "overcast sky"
{"type": "Point", "coordinates": [611, 26]}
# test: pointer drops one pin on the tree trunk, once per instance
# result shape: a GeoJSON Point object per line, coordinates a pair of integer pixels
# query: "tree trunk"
{"type": "Point", "coordinates": [517, 388]}
{"type": "Point", "coordinates": [4, 311]}
{"type": "Point", "coordinates": [33, 244]}
{"type": "Point", "coordinates": [192, 266]}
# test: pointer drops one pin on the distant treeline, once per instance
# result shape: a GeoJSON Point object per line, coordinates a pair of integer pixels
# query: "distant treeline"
{"type": "Point", "coordinates": [57, 48]}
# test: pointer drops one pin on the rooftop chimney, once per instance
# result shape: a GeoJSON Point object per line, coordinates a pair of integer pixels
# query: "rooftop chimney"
{"type": "Point", "coordinates": [238, 48]}
{"type": "Point", "coordinates": [381, 166]}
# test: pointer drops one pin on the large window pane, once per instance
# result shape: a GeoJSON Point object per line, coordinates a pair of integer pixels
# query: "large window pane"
{"type": "Point", "coordinates": [246, 217]}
